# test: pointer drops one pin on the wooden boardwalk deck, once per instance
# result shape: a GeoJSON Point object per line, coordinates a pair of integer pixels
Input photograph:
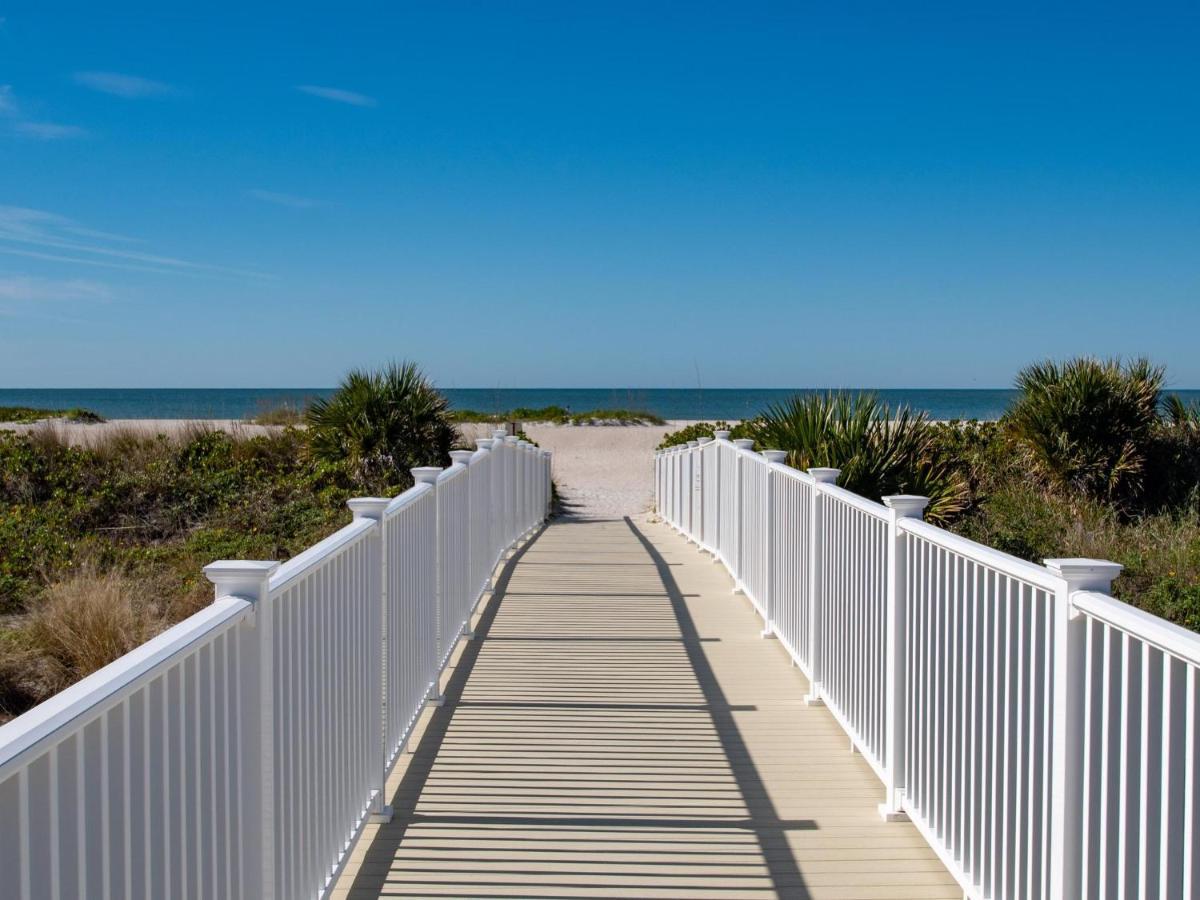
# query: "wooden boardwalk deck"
{"type": "Point", "coordinates": [621, 730]}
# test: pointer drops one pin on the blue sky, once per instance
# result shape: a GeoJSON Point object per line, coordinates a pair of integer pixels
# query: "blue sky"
{"type": "Point", "coordinates": [616, 194]}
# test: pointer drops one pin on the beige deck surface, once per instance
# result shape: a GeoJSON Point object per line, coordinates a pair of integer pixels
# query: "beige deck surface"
{"type": "Point", "coordinates": [621, 730]}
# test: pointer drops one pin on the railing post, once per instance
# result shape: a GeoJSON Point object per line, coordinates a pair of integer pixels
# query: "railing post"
{"type": "Point", "coordinates": [900, 506]}
{"type": "Point", "coordinates": [463, 458]}
{"type": "Point", "coordinates": [738, 536]}
{"type": "Point", "coordinates": [251, 580]}
{"type": "Point", "coordinates": [816, 542]}
{"type": "Point", "coordinates": [772, 457]}
{"type": "Point", "coordinates": [372, 508]}
{"type": "Point", "coordinates": [693, 468]}
{"type": "Point", "coordinates": [1068, 674]}
{"type": "Point", "coordinates": [718, 436]}
{"type": "Point", "coordinates": [429, 475]}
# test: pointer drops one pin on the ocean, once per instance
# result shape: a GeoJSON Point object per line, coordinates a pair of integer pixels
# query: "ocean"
{"type": "Point", "coordinates": [670, 403]}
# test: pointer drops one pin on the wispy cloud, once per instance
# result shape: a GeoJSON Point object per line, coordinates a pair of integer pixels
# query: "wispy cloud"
{"type": "Point", "coordinates": [48, 131]}
{"type": "Point", "coordinates": [31, 289]}
{"type": "Point", "coordinates": [289, 200]}
{"type": "Point", "coordinates": [337, 95]}
{"type": "Point", "coordinates": [43, 131]}
{"type": "Point", "coordinates": [119, 85]}
{"type": "Point", "coordinates": [27, 228]}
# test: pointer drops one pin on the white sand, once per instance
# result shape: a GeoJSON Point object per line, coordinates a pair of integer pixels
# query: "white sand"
{"type": "Point", "coordinates": [602, 471]}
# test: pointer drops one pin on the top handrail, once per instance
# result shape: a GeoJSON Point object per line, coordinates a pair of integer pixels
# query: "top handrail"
{"type": "Point", "coordinates": [1166, 636]}
{"type": "Point", "coordinates": [97, 692]}
{"type": "Point", "coordinates": [848, 497]}
{"type": "Point", "coordinates": [309, 559]}
{"type": "Point", "coordinates": [1004, 563]}
{"type": "Point", "coordinates": [400, 501]}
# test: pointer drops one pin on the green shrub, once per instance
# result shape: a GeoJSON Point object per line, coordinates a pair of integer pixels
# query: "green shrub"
{"type": "Point", "coordinates": [378, 425]}
{"type": "Point", "coordinates": [1087, 423]}
{"type": "Point", "coordinates": [26, 414]}
{"type": "Point", "coordinates": [879, 451]}
{"type": "Point", "coordinates": [698, 430]}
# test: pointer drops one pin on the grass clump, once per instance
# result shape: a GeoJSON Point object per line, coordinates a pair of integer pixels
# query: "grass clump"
{"type": "Point", "coordinates": [560, 415]}
{"type": "Point", "coordinates": [284, 414]}
{"type": "Point", "coordinates": [23, 415]}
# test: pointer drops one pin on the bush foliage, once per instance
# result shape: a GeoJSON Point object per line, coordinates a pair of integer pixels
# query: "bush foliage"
{"type": "Point", "coordinates": [1090, 460]}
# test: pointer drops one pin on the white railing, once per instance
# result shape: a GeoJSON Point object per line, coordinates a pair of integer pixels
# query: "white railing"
{"type": "Point", "coordinates": [240, 753]}
{"type": "Point", "coordinates": [1040, 734]}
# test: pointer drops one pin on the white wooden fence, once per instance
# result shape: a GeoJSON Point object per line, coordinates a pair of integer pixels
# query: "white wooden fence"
{"type": "Point", "coordinates": [240, 753]}
{"type": "Point", "coordinates": [1040, 734]}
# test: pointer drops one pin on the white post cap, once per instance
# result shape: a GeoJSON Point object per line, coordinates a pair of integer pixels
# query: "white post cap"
{"type": "Point", "coordinates": [775, 456]}
{"type": "Point", "coordinates": [1085, 574]}
{"type": "Point", "coordinates": [426, 474]}
{"type": "Point", "coordinates": [462, 457]}
{"type": "Point", "coordinates": [824, 474]}
{"type": "Point", "coordinates": [704, 440]}
{"type": "Point", "coordinates": [245, 578]}
{"type": "Point", "coordinates": [744, 444]}
{"type": "Point", "coordinates": [693, 444]}
{"type": "Point", "coordinates": [720, 435]}
{"type": "Point", "coordinates": [907, 506]}
{"type": "Point", "coordinates": [499, 433]}
{"type": "Point", "coordinates": [483, 443]}
{"type": "Point", "coordinates": [368, 507]}
{"type": "Point", "coordinates": [511, 439]}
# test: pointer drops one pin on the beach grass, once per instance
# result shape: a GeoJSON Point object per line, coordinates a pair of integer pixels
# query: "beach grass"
{"type": "Point", "coordinates": [22, 415]}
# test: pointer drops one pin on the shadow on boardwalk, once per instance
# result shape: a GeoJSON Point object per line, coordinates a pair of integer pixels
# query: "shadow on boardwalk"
{"type": "Point", "coordinates": [590, 747]}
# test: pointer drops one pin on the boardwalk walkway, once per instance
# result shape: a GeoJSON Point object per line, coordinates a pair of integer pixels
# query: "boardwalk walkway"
{"type": "Point", "coordinates": [621, 730]}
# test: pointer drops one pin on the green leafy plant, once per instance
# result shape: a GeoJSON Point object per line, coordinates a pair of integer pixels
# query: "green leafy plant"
{"type": "Point", "coordinates": [380, 424]}
{"type": "Point", "coordinates": [698, 430]}
{"type": "Point", "coordinates": [1087, 423]}
{"type": "Point", "coordinates": [879, 450]}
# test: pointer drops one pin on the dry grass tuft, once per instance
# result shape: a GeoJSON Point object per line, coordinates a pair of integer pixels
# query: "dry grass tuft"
{"type": "Point", "coordinates": [85, 621]}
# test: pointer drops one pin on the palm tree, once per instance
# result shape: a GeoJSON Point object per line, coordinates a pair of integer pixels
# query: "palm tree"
{"type": "Point", "coordinates": [380, 424]}
{"type": "Point", "coordinates": [1088, 423]}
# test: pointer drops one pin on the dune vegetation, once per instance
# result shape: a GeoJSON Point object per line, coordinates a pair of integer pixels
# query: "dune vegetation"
{"type": "Point", "coordinates": [101, 544]}
{"type": "Point", "coordinates": [1090, 460]}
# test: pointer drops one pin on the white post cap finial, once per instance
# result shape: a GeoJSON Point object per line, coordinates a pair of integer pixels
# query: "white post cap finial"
{"type": "Point", "coordinates": [907, 506]}
{"type": "Point", "coordinates": [368, 507]}
{"type": "Point", "coordinates": [245, 578]}
{"type": "Point", "coordinates": [426, 474]}
{"type": "Point", "coordinates": [693, 444]}
{"type": "Point", "coordinates": [511, 439]}
{"type": "Point", "coordinates": [775, 456]}
{"type": "Point", "coordinates": [825, 474]}
{"type": "Point", "coordinates": [1085, 574]}
{"type": "Point", "coordinates": [721, 435]}
{"type": "Point", "coordinates": [483, 443]}
{"type": "Point", "coordinates": [744, 444]}
{"type": "Point", "coordinates": [461, 457]}
{"type": "Point", "coordinates": [704, 440]}
{"type": "Point", "coordinates": [499, 434]}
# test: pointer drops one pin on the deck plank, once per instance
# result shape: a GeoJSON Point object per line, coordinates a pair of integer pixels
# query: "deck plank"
{"type": "Point", "coordinates": [620, 729]}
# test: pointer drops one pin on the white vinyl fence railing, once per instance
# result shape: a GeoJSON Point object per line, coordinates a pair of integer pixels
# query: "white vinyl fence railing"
{"type": "Point", "coordinates": [239, 753]}
{"type": "Point", "coordinates": [1040, 734]}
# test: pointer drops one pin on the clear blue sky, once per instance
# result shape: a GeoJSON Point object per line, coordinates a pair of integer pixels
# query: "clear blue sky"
{"type": "Point", "coordinates": [609, 194]}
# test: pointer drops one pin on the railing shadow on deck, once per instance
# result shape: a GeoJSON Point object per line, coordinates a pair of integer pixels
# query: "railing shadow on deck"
{"type": "Point", "coordinates": [758, 818]}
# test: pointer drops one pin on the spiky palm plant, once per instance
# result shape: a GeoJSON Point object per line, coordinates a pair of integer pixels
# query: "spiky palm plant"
{"type": "Point", "coordinates": [1087, 423]}
{"type": "Point", "coordinates": [380, 424]}
{"type": "Point", "coordinates": [880, 451]}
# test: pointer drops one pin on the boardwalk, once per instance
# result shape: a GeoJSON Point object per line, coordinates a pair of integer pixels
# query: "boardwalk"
{"type": "Point", "coordinates": [621, 730]}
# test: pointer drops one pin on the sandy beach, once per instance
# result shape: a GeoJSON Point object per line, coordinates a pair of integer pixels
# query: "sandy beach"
{"type": "Point", "coordinates": [602, 471]}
